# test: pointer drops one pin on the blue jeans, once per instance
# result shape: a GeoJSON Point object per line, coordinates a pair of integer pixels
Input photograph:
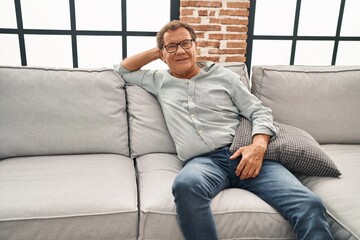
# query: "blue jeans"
{"type": "Point", "coordinates": [206, 175]}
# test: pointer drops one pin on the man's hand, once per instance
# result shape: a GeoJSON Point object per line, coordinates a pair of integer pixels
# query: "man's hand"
{"type": "Point", "coordinates": [252, 157]}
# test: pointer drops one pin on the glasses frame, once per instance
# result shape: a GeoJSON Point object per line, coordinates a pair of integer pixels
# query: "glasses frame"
{"type": "Point", "coordinates": [179, 44]}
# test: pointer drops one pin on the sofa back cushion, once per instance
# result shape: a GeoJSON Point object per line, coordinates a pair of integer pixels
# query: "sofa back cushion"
{"type": "Point", "coordinates": [322, 100]}
{"type": "Point", "coordinates": [148, 130]}
{"type": "Point", "coordinates": [47, 111]}
{"type": "Point", "coordinates": [238, 68]}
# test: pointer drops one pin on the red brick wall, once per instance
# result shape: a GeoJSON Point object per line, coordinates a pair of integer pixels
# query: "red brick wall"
{"type": "Point", "coordinates": [221, 28]}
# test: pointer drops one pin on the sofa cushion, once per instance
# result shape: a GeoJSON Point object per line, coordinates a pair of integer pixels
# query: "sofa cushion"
{"type": "Point", "coordinates": [294, 148]}
{"type": "Point", "coordinates": [340, 195]}
{"type": "Point", "coordinates": [61, 111]}
{"type": "Point", "coordinates": [324, 101]}
{"type": "Point", "coordinates": [240, 69]}
{"type": "Point", "coordinates": [68, 197]}
{"type": "Point", "coordinates": [148, 130]}
{"type": "Point", "coordinates": [238, 213]}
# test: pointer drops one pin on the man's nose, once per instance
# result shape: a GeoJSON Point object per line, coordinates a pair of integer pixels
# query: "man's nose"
{"type": "Point", "coordinates": [180, 50]}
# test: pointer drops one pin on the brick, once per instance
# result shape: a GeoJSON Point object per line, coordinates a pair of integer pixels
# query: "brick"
{"type": "Point", "coordinates": [190, 19]}
{"type": "Point", "coordinates": [226, 12]}
{"type": "Point", "coordinates": [210, 4]}
{"type": "Point", "coordinates": [200, 35]}
{"type": "Point", "coordinates": [229, 21]}
{"type": "Point", "coordinates": [205, 44]}
{"type": "Point", "coordinates": [208, 58]}
{"type": "Point", "coordinates": [238, 4]}
{"type": "Point", "coordinates": [235, 59]}
{"type": "Point", "coordinates": [203, 13]}
{"type": "Point", "coordinates": [236, 45]}
{"type": "Point", "coordinates": [207, 28]}
{"type": "Point", "coordinates": [187, 12]}
{"type": "Point", "coordinates": [237, 29]}
{"type": "Point", "coordinates": [212, 13]}
{"type": "Point", "coordinates": [218, 36]}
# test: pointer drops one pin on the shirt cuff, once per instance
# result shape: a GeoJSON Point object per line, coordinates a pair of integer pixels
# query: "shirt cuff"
{"type": "Point", "coordinates": [271, 131]}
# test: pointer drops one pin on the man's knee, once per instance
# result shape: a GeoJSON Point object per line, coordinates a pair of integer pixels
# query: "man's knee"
{"type": "Point", "coordinates": [184, 184]}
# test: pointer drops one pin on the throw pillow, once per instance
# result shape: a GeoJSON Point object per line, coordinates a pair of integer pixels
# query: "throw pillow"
{"type": "Point", "coordinates": [294, 148]}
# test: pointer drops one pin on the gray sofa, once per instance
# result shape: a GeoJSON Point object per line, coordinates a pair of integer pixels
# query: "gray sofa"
{"type": "Point", "coordinates": [84, 156]}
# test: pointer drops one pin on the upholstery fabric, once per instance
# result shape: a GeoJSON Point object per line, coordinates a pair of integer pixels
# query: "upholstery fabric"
{"type": "Point", "coordinates": [293, 147]}
{"type": "Point", "coordinates": [240, 69]}
{"type": "Point", "coordinates": [340, 195]}
{"type": "Point", "coordinates": [68, 197]}
{"type": "Point", "coordinates": [322, 100]}
{"type": "Point", "coordinates": [147, 127]}
{"type": "Point", "coordinates": [238, 213]}
{"type": "Point", "coordinates": [61, 111]}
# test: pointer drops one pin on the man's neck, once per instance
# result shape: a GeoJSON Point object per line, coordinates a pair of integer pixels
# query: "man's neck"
{"type": "Point", "coordinates": [188, 75]}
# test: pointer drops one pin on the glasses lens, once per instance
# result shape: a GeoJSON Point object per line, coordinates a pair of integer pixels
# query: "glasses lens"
{"type": "Point", "coordinates": [171, 47]}
{"type": "Point", "coordinates": [186, 44]}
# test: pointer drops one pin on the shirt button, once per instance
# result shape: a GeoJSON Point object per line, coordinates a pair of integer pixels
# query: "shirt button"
{"type": "Point", "coordinates": [200, 131]}
{"type": "Point", "coordinates": [192, 115]}
{"type": "Point", "coordinates": [190, 99]}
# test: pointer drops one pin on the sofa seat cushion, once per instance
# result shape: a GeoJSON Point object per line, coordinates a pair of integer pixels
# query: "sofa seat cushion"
{"type": "Point", "coordinates": [68, 197]}
{"type": "Point", "coordinates": [47, 111]}
{"type": "Point", "coordinates": [341, 195]}
{"type": "Point", "coordinates": [238, 214]}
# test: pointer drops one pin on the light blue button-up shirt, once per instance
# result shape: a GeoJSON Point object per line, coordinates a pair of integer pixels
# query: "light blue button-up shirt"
{"type": "Point", "coordinates": [202, 113]}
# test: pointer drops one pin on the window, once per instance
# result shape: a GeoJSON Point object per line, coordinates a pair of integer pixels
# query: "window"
{"type": "Point", "coordinates": [79, 33]}
{"type": "Point", "coordinates": [303, 32]}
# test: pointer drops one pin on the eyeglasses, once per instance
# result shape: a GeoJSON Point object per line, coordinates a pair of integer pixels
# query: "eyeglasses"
{"type": "Point", "coordinates": [172, 47]}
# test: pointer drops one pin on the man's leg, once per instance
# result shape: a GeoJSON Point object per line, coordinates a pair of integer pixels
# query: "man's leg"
{"type": "Point", "coordinates": [301, 207]}
{"type": "Point", "coordinates": [197, 183]}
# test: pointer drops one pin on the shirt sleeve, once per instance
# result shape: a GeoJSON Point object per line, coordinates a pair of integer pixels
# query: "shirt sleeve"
{"type": "Point", "coordinates": [251, 108]}
{"type": "Point", "coordinates": [150, 80]}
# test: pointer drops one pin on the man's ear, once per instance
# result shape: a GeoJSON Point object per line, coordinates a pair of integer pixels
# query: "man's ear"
{"type": "Point", "coordinates": [162, 57]}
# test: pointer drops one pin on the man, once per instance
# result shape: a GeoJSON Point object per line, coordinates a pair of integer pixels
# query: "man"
{"type": "Point", "coordinates": [201, 103]}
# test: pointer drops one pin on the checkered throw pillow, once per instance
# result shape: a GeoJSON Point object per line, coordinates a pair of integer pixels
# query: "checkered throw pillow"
{"type": "Point", "coordinates": [294, 148]}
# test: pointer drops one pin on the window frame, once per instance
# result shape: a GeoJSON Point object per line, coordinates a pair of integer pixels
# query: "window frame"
{"type": "Point", "coordinates": [73, 32]}
{"type": "Point", "coordinates": [294, 37]}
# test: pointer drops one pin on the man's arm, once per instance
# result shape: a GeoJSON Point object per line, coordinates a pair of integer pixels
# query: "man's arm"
{"type": "Point", "coordinates": [137, 61]}
{"type": "Point", "coordinates": [252, 157]}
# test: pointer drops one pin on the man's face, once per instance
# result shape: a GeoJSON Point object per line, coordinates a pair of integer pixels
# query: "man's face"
{"type": "Point", "coordinates": [182, 62]}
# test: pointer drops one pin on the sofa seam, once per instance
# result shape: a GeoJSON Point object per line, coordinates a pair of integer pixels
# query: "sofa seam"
{"type": "Point", "coordinates": [144, 211]}
{"type": "Point", "coordinates": [265, 68]}
{"type": "Point", "coordinates": [61, 69]}
{"type": "Point", "coordinates": [65, 216]}
{"type": "Point", "coordinates": [128, 119]}
{"type": "Point", "coordinates": [137, 176]}
{"type": "Point", "coordinates": [158, 169]}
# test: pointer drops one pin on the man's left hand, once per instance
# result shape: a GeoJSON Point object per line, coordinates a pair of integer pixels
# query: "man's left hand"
{"type": "Point", "coordinates": [252, 157]}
